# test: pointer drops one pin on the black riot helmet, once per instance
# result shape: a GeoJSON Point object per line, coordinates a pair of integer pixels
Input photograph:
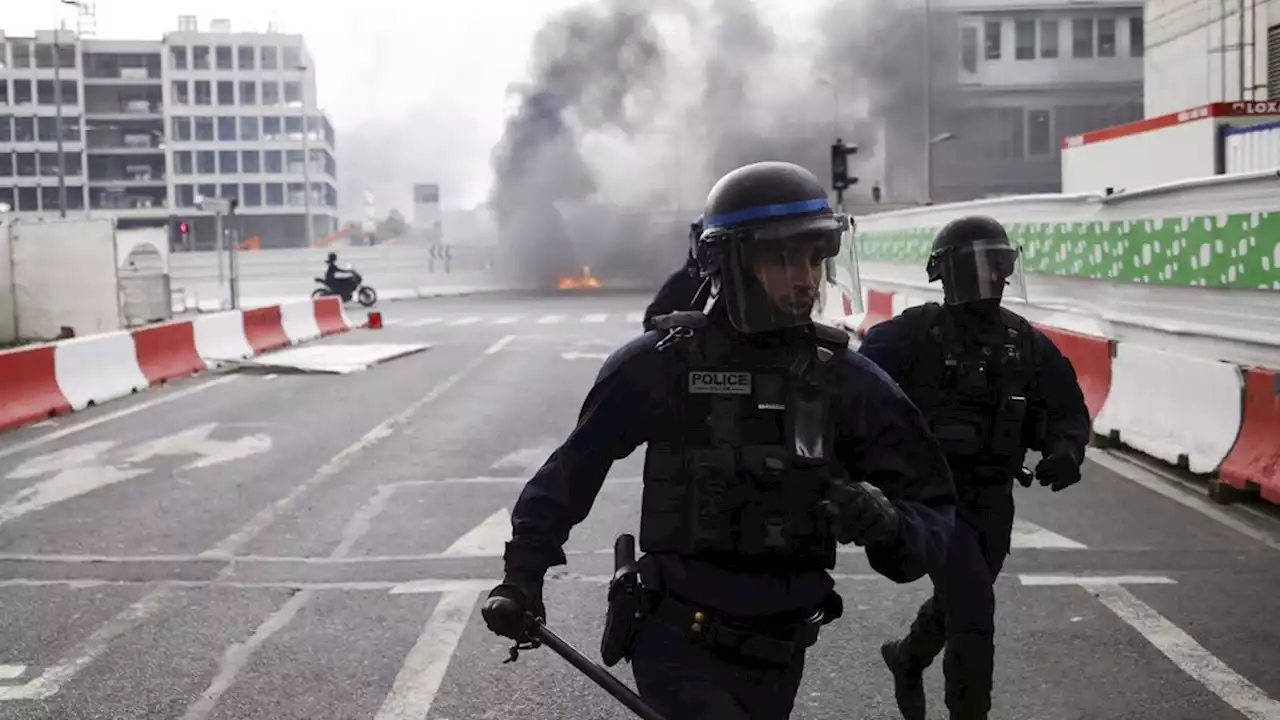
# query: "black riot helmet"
{"type": "Point", "coordinates": [767, 230]}
{"type": "Point", "coordinates": [974, 259]}
{"type": "Point", "coordinates": [333, 258]}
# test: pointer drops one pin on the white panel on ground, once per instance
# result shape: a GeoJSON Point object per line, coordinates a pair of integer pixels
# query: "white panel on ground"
{"type": "Point", "coordinates": [488, 539]}
{"type": "Point", "coordinates": [572, 355]}
{"type": "Point", "coordinates": [424, 322]}
{"type": "Point", "coordinates": [1168, 405]}
{"type": "Point", "coordinates": [424, 669]}
{"type": "Point", "coordinates": [334, 358]}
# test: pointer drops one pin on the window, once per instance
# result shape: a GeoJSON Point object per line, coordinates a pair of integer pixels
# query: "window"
{"type": "Point", "coordinates": [178, 57]}
{"type": "Point", "coordinates": [6, 129]}
{"type": "Point", "coordinates": [248, 92]}
{"type": "Point", "coordinates": [250, 162]}
{"type": "Point", "coordinates": [270, 93]}
{"type": "Point", "coordinates": [1106, 37]}
{"type": "Point", "coordinates": [269, 61]}
{"type": "Point", "coordinates": [223, 54]}
{"type": "Point", "coordinates": [182, 163]}
{"type": "Point", "coordinates": [22, 55]}
{"type": "Point", "coordinates": [229, 192]}
{"type": "Point", "coordinates": [44, 92]}
{"type": "Point", "coordinates": [204, 129]}
{"type": "Point", "coordinates": [47, 129]}
{"type": "Point", "coordinates": [293, 127]}
{"type": "Point", "coordinates": [228, 162]}
{"type": "Point", "coordinates": [292, 58]}
{"type": "Point", "coordinates": [70, 129]}
{"type": "Point", "coordinates": [179, 92]}
{"type": "Point", "coordinates": [67, 56]}
{"type": "Point", "coordinates": [1082, 38]}
{"type": "Point", "coordinates": [991, 29]}
{"type": "Point", "coordinates": [22, 92]}
{"type": "Point", "coordinates": [4, 84]}
{"type": "Point", "coordinates": [1039, 140]}
{"type": "Point", "coordinates": [200, 57]}
{"type": "Point", "coordinates": [70, 92]}
{"type": "Point", "coordinates": [293, 93]}
{"type": "Point", "coordinates": [252, 195]}
{"type": "Point", "coordinates": [44, 55]}
{"type": "Point", "coordinates": [207, 191]}
{"type": "Point", "coordinates": [1137, 39]}
{"type": "Point", "coordinates": [296, 196]}
{"type": "Point", "coordinates": [28, 198]}
{"type": "Point", "coordinates": [204, 94]}
{"type": "Point", "coordinates": [26, 163]}
{"type": "Point", "coordinates": [245, 57]}
{"type": "Point", "coordinates": [969, 48]}
{"type": "Point", "coordinates": [205, 162]}
{"type": "Point", "coordinates": [226, 128]}
{"type": "Point", "coordinates": [1048, 39]}
{"type": "Point", "coordinates": [182, 128]}
{"type": "Point", "coordinates": [186, 196]}
{"type": "Point", "coordinates": [274, 163]}
{"type": "Point", "coordinates": [275, 194]}
{"type": "Point", "coordinates": [24, 129]}
{"type": "Point", "coordinates": [6, 164]}
{"type": "Point", "coordinates": [270, 128]}
{"type": "Point", "coordinates": [293, 161]}
{"type": "Point", "coordinates": [1024, 40]}
{"type": "Point", "coordinates": [226, 92]}
{"type": "Point", "coordinates": [248, 128]}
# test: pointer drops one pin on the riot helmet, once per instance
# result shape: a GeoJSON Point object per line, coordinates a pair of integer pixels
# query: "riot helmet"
{"type": "Point", "coordinates": [768, 229]}
{"type": "Point", "coordinates": [975, 260]}
{"type": "Point", "coordinates": [333, 258]}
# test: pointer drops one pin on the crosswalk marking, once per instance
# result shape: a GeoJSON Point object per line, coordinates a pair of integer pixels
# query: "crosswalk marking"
{"type": "Point", "coordinates": [550, 319]}
{"type": "Point", "coordinates": [595, 318]}
{"type": "Point", "coordinates": [464, 321]}
{"type": "Point", "coordinates": [510, 319]}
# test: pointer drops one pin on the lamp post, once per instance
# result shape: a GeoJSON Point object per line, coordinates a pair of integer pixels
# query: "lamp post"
{"type": "Point", "coordinates": [928, 151]}
{"type": "Point", "coordinates": [57, 103]}
{"type": "Point", "coordinates": [306, 157]}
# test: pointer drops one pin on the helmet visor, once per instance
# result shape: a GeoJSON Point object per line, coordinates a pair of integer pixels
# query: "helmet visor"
{"type": "Point", "coordinates": [978, 271]}
{"type": "Point", "coordinates": [775, 284]}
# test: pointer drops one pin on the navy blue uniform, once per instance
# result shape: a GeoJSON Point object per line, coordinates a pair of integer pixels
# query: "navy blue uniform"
{"type": "Point", "coordinates": [676, 294]}
{"type": "Point", "coordinates": [880, 438]}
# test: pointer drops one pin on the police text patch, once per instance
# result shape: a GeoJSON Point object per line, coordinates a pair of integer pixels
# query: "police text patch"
{"type": "Point", "coordinates": [720, 383]}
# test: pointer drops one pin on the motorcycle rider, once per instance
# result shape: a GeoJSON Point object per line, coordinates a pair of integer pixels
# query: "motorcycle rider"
{"type": "Point", "coordinates": [338, 280]}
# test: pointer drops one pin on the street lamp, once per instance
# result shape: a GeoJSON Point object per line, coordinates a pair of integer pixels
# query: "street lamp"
{"type": "Point", "coordinates": [306, 156]}
{"type": "Point", "coordinates": [928, 162]}
{"type": "Point", "coordinates": [57, 102]}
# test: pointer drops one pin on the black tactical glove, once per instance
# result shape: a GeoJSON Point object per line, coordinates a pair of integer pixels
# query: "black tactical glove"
{"type": "Point", "coordinates": [861, 513]}
{"type": "Point", "coordinates": [1058, 471]}
{"type": "Point", "coordinates": [504, 610]}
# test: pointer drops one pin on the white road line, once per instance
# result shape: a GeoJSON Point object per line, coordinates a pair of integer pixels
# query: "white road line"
{"type": "Point", "coordinates": [1028, 535]}
{"type": "Point", "coordinates": [550, 319]}
{"type": "Point", "coordinates": [635, 317]}
{"type": "Point", "coordinates": [501, 343]}
{"type": "Point", "coordinates": [52, 679]}
{"type": "Point", "coordinates": [238, 655]}
{"type": "Point", "coordinates": [446, 585]}
{"type": "Point", "coordinates": [1033, 579]}
{"type": "Point", "coordinates": [159, 400]}
{"type": "Point", "coordinates": [360, 523]}
{"type": "Point", "coordinates": [12, 672]}
{"type": "Point", "coordinates": [336, 464]}
{"type": "Point", "coordinates": [1153, 482]}
{"type": "Point", "coordinates": [509, 320]}
{"type": "Point", "coordinates": [463, 321]}
{"type": "Point", "coordinates": [424, 322]}
{"type": "Point", "coordinates": [595, 318]}
{"type": "Point", "coordinates": [1248, 699]}
{"type": "Point", "coordinates": [424, 669]}
{"type": "Point", "coordinates": [487, 539]}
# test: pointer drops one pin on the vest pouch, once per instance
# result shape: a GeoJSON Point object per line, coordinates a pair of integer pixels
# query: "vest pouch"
{"type": "Point", "coordinates": [959, 436]}
{"type": "Point", "coordinates": [1007, 434]}
{"type": "Point", "coordinates": [664, 501]}
{"type": "Point", "coordinates": [971, 378]}
{"type": "Point", "coordinates": [712, 498]}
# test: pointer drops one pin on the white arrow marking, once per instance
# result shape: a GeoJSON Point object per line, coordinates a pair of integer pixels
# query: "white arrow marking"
{"type": "Point", "coordinates": [484, 540]}
{"type": "Point", "coordinates": [63, 486]}
{"type": "Point", "coordinates": [12, 672]}
{"type": "Point", "coordinates": [196, 441]}
{"type": "Point", "coordinates": [584, 356]}
{"type": "Point", "coordinates": [72, 457]}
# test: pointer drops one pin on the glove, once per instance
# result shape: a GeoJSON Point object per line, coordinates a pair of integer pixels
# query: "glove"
{"type": "Point", "coordinates": [1025, 477]}
{"type": "Point", "coordinates": [861, 513]}
{"type": "Point", "coordinates": [504, 610]}
{"type": "Point", "coordinates": [1058, 471]}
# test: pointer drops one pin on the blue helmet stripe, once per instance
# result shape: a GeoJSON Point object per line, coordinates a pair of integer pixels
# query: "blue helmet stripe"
{"type": "Point", "coordinates": [760, 212]}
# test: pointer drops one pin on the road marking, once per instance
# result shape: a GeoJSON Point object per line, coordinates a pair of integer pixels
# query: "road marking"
{"type": "Point", "coordinates": [196, 441]}
{"type": "Point", "coordinates": [501, 343]}
{"type": "Point", "coordinates": [509, 320]}
{"type": "Point", "coordinates": [335, 465]}
{"type": "Point", "coordinates": [584, 356]}
{"type": "Point", "coordinates": [463, 321]}
{"type": "Point", "coordinates": [419, 678]}
{"type": "Point", "coordinates": [238, 655]}
{"type": "Point", "coordinates": [550, 319]}
{"type": "Point", "coordinates": [1153, 482]}
{"type": "Point", "coordinates": [443, 585]}
{"type": "Point", "coordinates": [635, 317]}
{"type": "Point", "coordinates": [1029, 535]}
{"type": "Point", "coordinates": [530, 458]}
{"type": "Point", "coordinates": [51, 680]}
{"type": "Point", "coordinates": [360, 523]}
{"type": "Point", "coordinates": [484, 540]}
{"type": "Point", "coordinates": [12, 672]}
{"type": "Point", "coordinates": [160, 400]}
{"type": "Point", "coordinates": [1193, 659]}
{"type": "Point", "coordinates": [1032, 579]}
{"type": "Point", "coordinates": [425, 322]}
{"type": "Point", "coordinates": [595, 318]}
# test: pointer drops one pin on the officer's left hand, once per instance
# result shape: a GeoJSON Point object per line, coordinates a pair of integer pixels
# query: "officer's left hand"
{"type": "Point", "coordinates": [1058, 471]}
{"type": "Point", "coordinates": [861, 513]}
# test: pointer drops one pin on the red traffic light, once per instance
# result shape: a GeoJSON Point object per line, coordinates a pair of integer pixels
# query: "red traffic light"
{"type": "Point", "coordinates": [184, 228]}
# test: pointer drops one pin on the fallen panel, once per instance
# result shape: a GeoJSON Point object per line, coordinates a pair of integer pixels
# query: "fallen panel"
{"type": "Point", "coordinates": [339, 359]}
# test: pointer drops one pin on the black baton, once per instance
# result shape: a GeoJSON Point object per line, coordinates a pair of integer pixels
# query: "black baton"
{"type": "Point", "coordinates": [598, 675]}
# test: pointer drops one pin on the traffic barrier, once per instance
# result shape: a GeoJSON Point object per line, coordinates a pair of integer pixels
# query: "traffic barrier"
{"type": "Point", "coordinates": [264, 329]}
{"type": "Point", "coordinates": [298, 318]}
{"type": "Point", "coordinates": [330, 316]}
{"type": "Point", "coordinates": [96, 368]}
{"type": "Point", "coordinates": [167, 351]}
{"type": "Point", "coordinates": [29, 386]}
{"type": "Point", "coordinates": [1183, 410]}
{"type": "Point", "coordinates": [1255, 459]}
{"type": "Point", "coordinates": [221, 337]}
{"type": "Point", "coordinates": [1090, 356]}
{"type": "Point", "coordinates": [879, 309]}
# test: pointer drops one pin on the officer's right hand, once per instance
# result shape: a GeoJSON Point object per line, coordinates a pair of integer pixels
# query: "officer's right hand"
{"type": "Point", "coordinates": [861, 513]}
{"type": "Point", "coordinates": [505, 609]}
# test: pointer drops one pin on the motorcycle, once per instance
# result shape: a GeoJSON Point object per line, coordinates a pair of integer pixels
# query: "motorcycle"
{"type": "Point", "coordinates": [366, 295]}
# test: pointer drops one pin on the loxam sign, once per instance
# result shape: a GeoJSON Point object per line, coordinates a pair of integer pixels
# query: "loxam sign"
{"type": "Point", "coordinates": [1257, 107]}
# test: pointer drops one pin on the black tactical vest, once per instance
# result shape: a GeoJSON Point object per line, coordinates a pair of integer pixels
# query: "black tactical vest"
{"type": "Point", "coordinates": [736, 475]}
{"type": "Point", "coordinates": [974, 392]}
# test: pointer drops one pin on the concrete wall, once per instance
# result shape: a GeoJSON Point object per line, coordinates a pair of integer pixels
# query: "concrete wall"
{"type": "Point", "coordinates": [8, 316]}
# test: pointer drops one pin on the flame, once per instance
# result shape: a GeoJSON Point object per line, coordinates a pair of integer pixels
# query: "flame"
{"type": "Point", "coordinates": [585, 280]}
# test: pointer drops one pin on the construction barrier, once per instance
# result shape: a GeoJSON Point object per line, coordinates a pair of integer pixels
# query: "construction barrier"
{"type": "Point", "coordinates": [167, 351]}
{"type": "Point", "coordinates": [98, 368]}
{"type": "Point", "coordinates": [1090, 356]}
{"type": "Point", "coordinates": [879, 309]}
{"type": "Point", "coordinates": [29, 387]}
{"type": "Point", "coordinates": [298, 319]}
{"type": "Point", "coordinates": [264, 328]}
{"type": "Point", "coordinates": [1255, 459]}
{"type": "Point", "coordinates": [220, 337]}
{"type": "Point", "coordinates": [330, 316]}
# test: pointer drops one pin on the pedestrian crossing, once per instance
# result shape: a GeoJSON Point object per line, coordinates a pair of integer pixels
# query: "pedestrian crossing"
{"type": "Point", "coordinates": [630, 318]}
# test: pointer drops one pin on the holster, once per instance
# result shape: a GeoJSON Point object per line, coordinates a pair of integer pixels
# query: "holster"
{"type": "Point", "coordinates": [622, 621]}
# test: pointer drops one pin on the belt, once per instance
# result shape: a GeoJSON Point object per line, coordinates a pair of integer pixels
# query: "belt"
{"type": "Point", "coordinates": [717, 632]}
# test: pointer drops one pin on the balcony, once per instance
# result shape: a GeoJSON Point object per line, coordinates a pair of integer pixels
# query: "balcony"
{"type": "Point", "coordinates": [129, 202]}
{"type": "Point", "coordinates": [122, 69]}
{"type": "Point", "coordinates": [140, 109]}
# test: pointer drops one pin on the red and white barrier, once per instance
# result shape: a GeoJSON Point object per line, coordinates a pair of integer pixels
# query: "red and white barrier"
{"type": "Point", "coordinates": [29, 389]}
{"type": "Point", "coordinates": [879, 309]}
{"type": "Point", "coordinates": [98, 368]}
{"type": "Point", "coordinates": [331, 317]}
{"type": "Point", "coordinates": [167, 351]}
{"type": "Point", "coordinates": [1255, 459]}
{"type": "Point", "coordinates": [298, 320]}
{"type": "Point", "coordinates": [1090, 356]}
{"type": "Point", "coordinates": [220, 337]}
{"type": "Point", "coordinates": [264, 328]}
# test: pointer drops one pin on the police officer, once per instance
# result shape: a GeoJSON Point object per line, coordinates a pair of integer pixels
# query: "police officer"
{"type": "Point", "coordinates": [991, 386]}
{"type": "Point", "coordinates": [769, 442]}
{"type": "Point", "coordinates": [679, 291]}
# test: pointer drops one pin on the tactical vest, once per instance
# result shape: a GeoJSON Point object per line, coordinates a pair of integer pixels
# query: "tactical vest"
{"type": "Point", "coordinates": [736, 475]}
{"type": "Point", "coordinates": [974, 392]}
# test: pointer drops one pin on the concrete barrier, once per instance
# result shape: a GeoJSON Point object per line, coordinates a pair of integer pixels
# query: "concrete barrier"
{"type": "Point", "coordinates": [1255, 459]}
{"type": "Point", "coordinates": [331, 316]}
{"type": "Point", "coordinates": [298, 320]}
{"type": "Point", "coordinates": [879, 309]}
{"type": "Point", "coordinates": [94, 369]}
{"type": "Point", "coordinates": [1090, 356]}
{"type": "Point", "coordinates": [29, 389]}
{"type": "Point", "coordinates": [220, 337]}
{"type": "Point", "coordinates": [167, 351]}
{"type": "Point", "coordinates": [264, 328]}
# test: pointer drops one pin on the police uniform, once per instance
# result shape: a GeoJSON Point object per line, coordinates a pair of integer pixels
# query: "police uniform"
{"type": "Point", "coordinates": [991, 386]}
{"type": "Point", "coordinates": [769, 442]}
{"type": "Point", "coordinates": [678, 292]}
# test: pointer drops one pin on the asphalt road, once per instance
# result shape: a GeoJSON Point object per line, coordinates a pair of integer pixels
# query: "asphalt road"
{"type": "Point", "coordinates": [265, 544]}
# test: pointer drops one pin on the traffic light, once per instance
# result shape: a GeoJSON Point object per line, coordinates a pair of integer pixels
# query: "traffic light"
{"type": "Point", "coordinates": [179, 233]}
{"type": "Point", "coordinates": [840, 179]}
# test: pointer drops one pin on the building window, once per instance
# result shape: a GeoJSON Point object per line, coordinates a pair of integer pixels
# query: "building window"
{"type": "Point", "coordinates": [969, 49]}
{"type": "Point", "coordinates": [229, 192]}
{"type": "Point", "coordinates": [6, 129]}
{"type": "Point", "coordinates": [44, 92]}
{"type": "Point", "coordinates": [203, 93]}
{"type": "Point", "coordinates": [293, 162]}
{"type": "Point", "coordinates": [205, 162]}
{"type": "Point", "coordinates": [4, 84]}
{"type": "Point", "coordinates": [182, 129]}
{"type": "Point", "coordinates": [293, 93]}
{"type": "Point", "coordinates": [1039, 137]}
{"type": "Point", "coordinates": [1137, 38]}
{"type": "Point", "coordinates": [1106, 37]}
{"type": "Point", "coordinates": [21, 55]}
{"type": "Point", "coordinates": [226, 128]}
{"type": "Point", "coordinates": [226, 92]}
{"type": "Point", "coordinates": [1025, 40]}
{"type": "Point", "coordinates": [180, 92]}
{"type": "Point", "coordinates": [204, 129]}
{"type": "Point", "coordinates": [991, 29]}
{"type": "Point", "coordinates": [47, 129]}
{"type": "Point", "coordinates": [250, 162]}
{"type": "Point", "coordinates": [178, 57]}
{"type": "Point", "coordinates": [252, 195]}
{"type": "Point", "coordinates": [248, 128]}
{"type": "Point", "coordinates": [182, 162]}
{"type": "Point", "coordinates": [293, 127]}
{"type": "Point", "coordinates": [1082, 37]}
{"type": "Point", "coordinates": [292, 58]}
{"type": "Point", "coordinates": [200, 57]}
{"type": "Point", "coordinates": [186, 196]}
{"type": "Point", "coordinates": [228, 162]}
{"type": "Point", "coordinates": [22, 92]}
{"type": "Point", "coordinates": [24, 129]}
{"type": "Point", "coordinates": [248, 92]}
{"type": "Point", "coordinates": [1048, 39]}
{"type": "Point", "coordinates": [274, 163]}
{"type": "Point", "coordinates": [275, 194]}
{"type": "Point", "coordinates": [6, 164]}
{"type": "Point", "coordinates": [28, 199]}
{"type": "Point", "coordinates": [270, 92]}
{"type": "Point", "coordinates": [26, 164]}
{"type": "Point", "coordinates": [270, 128]}
{"type": "Point", "coordinates": [207, 191]}
{"type": "Point", "coordinates": [223, 54]}
{"type": "Point", "coordinates": [269, 61]}
{"type": "Point", "coordinates": [70, 129]}
{"type": "Point", "coordinates": [70, 92]}
{"type": "Point", "coordinates": [44, 55]}
{"type": "Point", "coordinates": [245, 56]}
